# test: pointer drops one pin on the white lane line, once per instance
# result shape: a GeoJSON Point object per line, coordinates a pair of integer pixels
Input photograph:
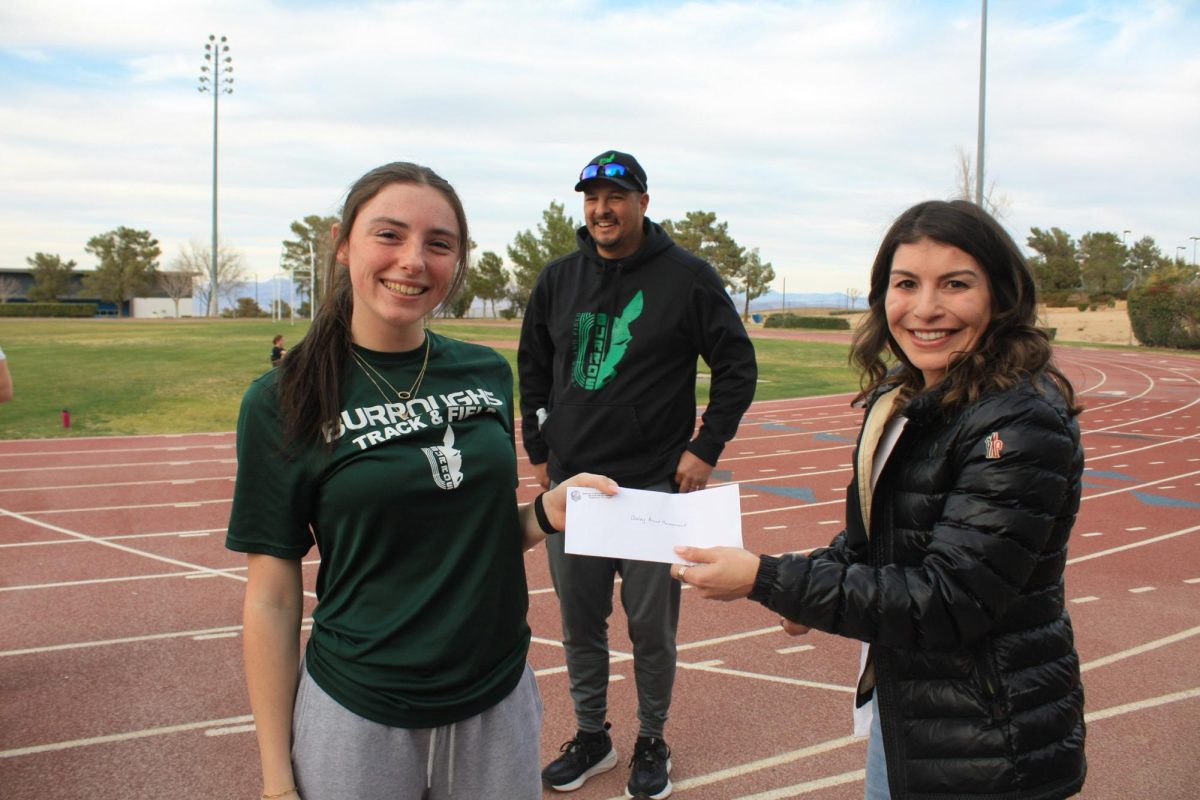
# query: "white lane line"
{"type": "Point", "coordinates": [800, 648]}
{"type": "Point", "coordinates": [1141, 705]}
{"type": "Point", "coordinates": [809, 451]}
{"type": "Point", "coordinates": [733, 637]}
{"type": "Point", "coordinates": [232, 729]}
{"type": "Point", "coordinates": [737, 673]}
{"type": "Point", "coordinates": [1137, 651]}
{"type": "Point", "coordinates": [75, 467]}
{"type": "Point", "coordinates": [196, 504]}
{"type": "Point", "coordinates": [78, 486]}
{"type": "Point", "coordinates": [207, 573]}
{"type": "Point", "coordinates": [854, 776]}
{"type": "Point", "coordinates": [1142, 589]}
{"type": "Point", "coordinates": [1132, 545]}
{"type": "Point", "coordinates": [1088, 599]}
{"type": "Point", "coordinates": [149, 637]}
{"type": "Point", "coordinates": [130, 550]}
{"type": "Point", "coordinates": [1145, 485]}
{"type": "Point", "coordinates": [122, 579]}
{"type": "Point", "coordinates": [1154, 446]}
{"type": "Point", "coordinates": [45, 542]}
{"type": "Point", "coordinates": [838, 502]}
{"type": "Point", "coordinates": [122, 737]}
{"type": "Point", "coordinates": [762, 764]}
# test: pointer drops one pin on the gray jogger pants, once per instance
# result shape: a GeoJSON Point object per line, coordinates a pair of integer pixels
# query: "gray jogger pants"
{"type": "Point", "coordinates": [650, 597]}
{"type": "Point", "coordinates": [337, 754]}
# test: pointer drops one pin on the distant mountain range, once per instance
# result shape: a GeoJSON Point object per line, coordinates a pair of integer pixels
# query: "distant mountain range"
{"type": "Point", "coordinates": [776, 301]}
{"type": "Point", "coordinates": [772, 301]}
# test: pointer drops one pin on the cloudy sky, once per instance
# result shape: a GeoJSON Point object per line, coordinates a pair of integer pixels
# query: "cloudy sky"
{"type": "Point", "coordinates": [806, 125]}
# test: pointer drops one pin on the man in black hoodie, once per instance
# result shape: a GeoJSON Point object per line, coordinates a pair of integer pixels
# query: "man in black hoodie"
{"type": "Point", "coordinates": [607, 368]}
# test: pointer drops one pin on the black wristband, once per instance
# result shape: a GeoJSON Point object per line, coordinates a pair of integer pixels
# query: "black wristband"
{"type": "Point", "coordinates": [764, 579]}
{"type": "Point", "coordinates": [543, 521]}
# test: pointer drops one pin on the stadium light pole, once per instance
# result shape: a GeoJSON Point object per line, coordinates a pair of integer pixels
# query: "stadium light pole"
{"type": "Point", "coordinates": [1194, 240]}
{"type": "Point", "coordinates": [1179, 247]}
{"type": "Point", "coordinates": [982, 106]}
{"type": "Point", "coordinates": [216, 78]}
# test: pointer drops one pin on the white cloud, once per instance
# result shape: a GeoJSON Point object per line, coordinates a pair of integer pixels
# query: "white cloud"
{"type": "Point", "coordinates": [806, 125]}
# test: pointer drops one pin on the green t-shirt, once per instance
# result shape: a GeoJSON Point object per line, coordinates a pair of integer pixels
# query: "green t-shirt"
{"type": "Point", "coordinates": [421, 593]}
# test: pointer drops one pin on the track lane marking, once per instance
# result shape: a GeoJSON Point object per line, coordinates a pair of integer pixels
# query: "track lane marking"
{"type": "Point", "coordinates": [175, 562]}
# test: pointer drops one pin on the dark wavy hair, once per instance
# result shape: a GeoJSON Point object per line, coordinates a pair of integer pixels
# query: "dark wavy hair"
{"type": "Point", "coordinates": [1011, 348]}
{"type": "Point", "coordinates": [310, 378]}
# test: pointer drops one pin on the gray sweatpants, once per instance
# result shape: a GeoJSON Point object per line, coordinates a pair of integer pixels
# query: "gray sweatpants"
{"type": "Point", "coordinates": [650, 597]}
{"type": "Point", "coordinates": [337, 754]}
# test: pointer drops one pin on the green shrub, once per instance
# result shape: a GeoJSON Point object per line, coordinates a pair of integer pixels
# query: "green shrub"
{"type": "Point", "coordinates": [48, 309]}
{"type": "Point", "coordinates": [1057, 299]}
{"type": "Point", "coordinates": [1166, 316]}
{"type": "Point", "coordinates": [789, 320]}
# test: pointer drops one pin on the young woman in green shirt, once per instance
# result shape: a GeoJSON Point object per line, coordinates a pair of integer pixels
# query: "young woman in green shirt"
{"type": "Point", "coordinates": [392, 449]}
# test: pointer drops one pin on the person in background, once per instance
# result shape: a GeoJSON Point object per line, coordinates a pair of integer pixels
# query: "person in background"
{"type": "Point", "coordinates": [607, 367]}
{"type": "Point", "coordinates": [967, 481]}
{"type": "Point", "coordinates": [6, 384]}
{"type": "Point", "coordinates": [392, 449]}
{"type": "Point", "coordinates": [278, 351]}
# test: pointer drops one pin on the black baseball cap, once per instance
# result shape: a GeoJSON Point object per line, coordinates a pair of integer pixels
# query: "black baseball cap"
{"type": "Point", "coordinates": [612, 165]}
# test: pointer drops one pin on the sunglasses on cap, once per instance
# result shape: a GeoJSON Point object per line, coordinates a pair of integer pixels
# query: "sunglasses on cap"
{"type": "Point", "coordinates": [606, 171]}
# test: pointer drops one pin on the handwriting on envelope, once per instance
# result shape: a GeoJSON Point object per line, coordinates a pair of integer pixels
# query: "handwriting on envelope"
{"type": "Point", "coordinates": [647, 526]}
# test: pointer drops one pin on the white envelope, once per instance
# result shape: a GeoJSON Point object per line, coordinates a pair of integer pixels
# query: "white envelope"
{"type": "Point", "coordinates": [647, 526]}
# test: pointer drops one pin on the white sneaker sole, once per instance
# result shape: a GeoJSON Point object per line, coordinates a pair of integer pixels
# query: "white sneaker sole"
{"type": "Point", "coordinates": [663, 794]}
{"type": "Point", "coordinates": [603, 765]}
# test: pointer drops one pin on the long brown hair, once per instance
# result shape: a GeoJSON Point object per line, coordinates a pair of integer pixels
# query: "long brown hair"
{"type": "Point", "coordinates": [310, 378]}
{"type": "Point", "coordinates": [1011, 348]}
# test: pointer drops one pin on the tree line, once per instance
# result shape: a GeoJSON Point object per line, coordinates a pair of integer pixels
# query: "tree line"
{"type": "Point", "coordinates": [1099, 265]}
{"type": "Point", "coordinates": [128, 266]}
{"type": "Point", "coordinates": [742, 269]}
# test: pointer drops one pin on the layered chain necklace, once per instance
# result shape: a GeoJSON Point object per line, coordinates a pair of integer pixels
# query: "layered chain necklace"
{"type": "Point", "coordinates": [373, 374]}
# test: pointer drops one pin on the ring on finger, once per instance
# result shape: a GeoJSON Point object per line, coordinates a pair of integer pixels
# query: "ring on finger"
{"type": "Point", "coordinates": [682, 570]}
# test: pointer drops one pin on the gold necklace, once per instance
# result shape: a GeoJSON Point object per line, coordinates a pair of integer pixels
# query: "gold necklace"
{"type": "Point", "coordinates": [403, 397]}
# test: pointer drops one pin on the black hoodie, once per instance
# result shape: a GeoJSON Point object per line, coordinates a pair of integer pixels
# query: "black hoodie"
{"type": "Point", "coordinates": [608, 349]}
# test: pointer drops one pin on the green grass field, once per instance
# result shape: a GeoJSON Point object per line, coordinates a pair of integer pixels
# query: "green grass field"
{"type": "Point", "coordinates": [127, 377]}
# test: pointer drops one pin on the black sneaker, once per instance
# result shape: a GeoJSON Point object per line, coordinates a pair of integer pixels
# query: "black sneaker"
{"type": "Point", "coordinates": [651, 765]}
{"type": "Point", "coordinates": [586, 755]}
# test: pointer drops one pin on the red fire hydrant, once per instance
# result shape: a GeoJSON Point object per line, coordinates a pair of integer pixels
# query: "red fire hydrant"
{"type": "Point", "coordinates": [66, 418]}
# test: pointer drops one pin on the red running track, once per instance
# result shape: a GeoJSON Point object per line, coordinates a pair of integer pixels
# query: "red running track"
{"type": "Point", "coordinates": [120, 651]}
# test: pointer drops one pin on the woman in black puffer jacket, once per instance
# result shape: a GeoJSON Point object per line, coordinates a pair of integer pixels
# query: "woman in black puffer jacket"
{"type": "Point", "coordinates": [950, 569]}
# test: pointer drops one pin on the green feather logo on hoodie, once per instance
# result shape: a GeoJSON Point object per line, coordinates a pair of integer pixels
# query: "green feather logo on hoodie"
{"type": "Point", "coordinates": [599, 349]}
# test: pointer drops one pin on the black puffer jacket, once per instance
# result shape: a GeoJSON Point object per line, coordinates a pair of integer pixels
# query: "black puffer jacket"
{"type": "Point", "coordinates": [959, 590]}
